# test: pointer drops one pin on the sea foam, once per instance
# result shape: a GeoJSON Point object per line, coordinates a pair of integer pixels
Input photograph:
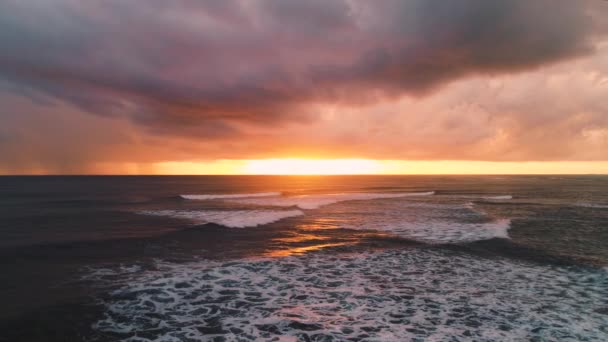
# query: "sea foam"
{"type": "Point", "coordinates": [430, 222]}
{"type": "Point", "coordinates": [437, 231]}
{"type": "Point", "coordinates": [424, 221]}
{"type": "Point", "coordinates": [383, 296]}
{"type": "Point", "coordinates": [228, 218]}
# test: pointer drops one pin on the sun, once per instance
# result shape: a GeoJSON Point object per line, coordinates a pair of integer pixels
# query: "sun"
{"type": "Point", "coordinates": [297, 166]}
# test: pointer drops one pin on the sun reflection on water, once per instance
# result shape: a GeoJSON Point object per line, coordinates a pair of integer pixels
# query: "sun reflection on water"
{"type": "Point", "coordinates": [322, 224]}
{"type": "Point", "coordinates": [301, 238]}
{"type": "Point", "coordinates": [302, 250]}
{"type": "Point", "coordinates": [316, 234]}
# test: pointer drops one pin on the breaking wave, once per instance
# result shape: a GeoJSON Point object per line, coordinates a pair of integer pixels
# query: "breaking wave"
{"type": "Point", "coordinates": [432, 222]}
{"type": "Point", "coordinates": [437, 231]}
{"type": "Point", "coordinates": [592, 205]}
{"type": "Point", "coordinates": [483, 197]}
{"type": "Point", "coordinates": [317, 201]}
{"type": "Point", "coordinates": [503, 197]}
{"type": "Point", "coordinates": [228, 218]}
{"type": "Point", "coordinates": [224, 196]}
{"type": "Point", "coordinates": [423, 221]}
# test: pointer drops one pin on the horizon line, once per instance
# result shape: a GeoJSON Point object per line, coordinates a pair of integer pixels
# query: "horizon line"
{"type": "Point", "coordinates": [304, 174]}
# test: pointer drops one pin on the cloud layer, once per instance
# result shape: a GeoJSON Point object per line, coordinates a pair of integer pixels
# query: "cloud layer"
{"type": "Point", "coordinates": [425, 79]}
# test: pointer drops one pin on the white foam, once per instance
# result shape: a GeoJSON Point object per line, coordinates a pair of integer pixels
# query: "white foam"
{"type": "Point", "coordinates": [428, 222]}
{"type": "Point", "coordinates": [502, 197]}
{"type": "Point", "coordinates": [317, 201]}
{"type": "Point", "coordinates": [228, 218]}
{"type": "Point", "coordinates": [435, 230]}
{"type": "Point", "coordinates": [491, 198]}
{"type": "Point", "coordinates": [224, 196]}
{"type": "Point", "coordinates": [386, 296]}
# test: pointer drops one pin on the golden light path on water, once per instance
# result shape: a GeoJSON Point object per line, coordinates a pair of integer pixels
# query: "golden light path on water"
{"type": "Point", "coordinates": [315, 235]}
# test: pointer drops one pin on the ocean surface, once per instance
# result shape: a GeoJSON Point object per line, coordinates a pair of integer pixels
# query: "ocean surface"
{"type": "Point", "coordinates": [304, 258]}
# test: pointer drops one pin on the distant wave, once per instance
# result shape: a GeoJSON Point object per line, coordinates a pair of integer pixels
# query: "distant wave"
{"type": "Point", "coordinates": [502, 197]}
{"type": "Point", "coordinates": [228, 218]}
{"type": "Point", "coordinates": [483, 197]}
{"type": "Point", "coordinates": [222, 196]}
{"type": "Point", "coordinates": [317, 201]}
{"type": "Point", "coordinates": [592, 205]}
{"type": "Point", "coordinates": [439, 231]}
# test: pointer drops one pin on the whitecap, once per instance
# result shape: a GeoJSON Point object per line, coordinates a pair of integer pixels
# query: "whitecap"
{"type": "Point", "coordinates": [317, 201]}
{"type": "Point", "coordinates": [224, 196]}
{"type": "Point", "coordinates": [592, 205]}
{"type": "Point", "coordinates": [437, 231]}
{"type": "Point", "coordinates": [491, 198]}
{"type": "Point", "coordinates": [428, 222]}
{"type": "Point", "coordinates": [501, 197]}
{"type": "Point", "coordinates": [228, 218]}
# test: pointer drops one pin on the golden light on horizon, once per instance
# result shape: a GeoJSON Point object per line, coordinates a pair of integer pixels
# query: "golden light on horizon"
{"type": "Point", "coordinates": [303, 166]}
{"type": "Point", "coordinates": [296, 166]}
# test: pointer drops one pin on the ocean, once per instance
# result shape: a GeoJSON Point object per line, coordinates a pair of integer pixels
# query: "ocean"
{"type": "Point", "coordinates": [304, 258]}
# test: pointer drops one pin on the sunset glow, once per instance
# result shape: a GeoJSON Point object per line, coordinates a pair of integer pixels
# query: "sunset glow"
{"type": "Point", "coordinates": [335, 170]}
{"type": "Point", "coordinates": [302, 166]}
{"type": "Point", "coordinates": [312, 167]}
{"type": "Point", "coordinates": [304, 87]}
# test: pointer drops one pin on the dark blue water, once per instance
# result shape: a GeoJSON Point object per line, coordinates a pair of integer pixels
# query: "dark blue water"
{"type": "Point", "coordinates": [78, 255]}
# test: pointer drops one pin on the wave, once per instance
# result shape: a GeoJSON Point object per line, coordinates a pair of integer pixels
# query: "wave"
{"type": "Point", "coordinates": [483, 197]}
{"type": "Point", "coordinates": [228, 218]}
{"type": "Point", "coordinates": [317, 201]}
{"type": "Point", "coordinates": [501, 197]}
{"type": "Point", "coordinates": [437, 231]}
{"type": "Point", "coordinates": [223, 196]}
{"type": "Point", "coordinates": [592, 205]}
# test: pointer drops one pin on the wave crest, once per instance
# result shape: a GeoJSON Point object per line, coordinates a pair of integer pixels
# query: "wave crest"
{"type": "Point", "coordinates": [502, 197]}
{"type": "Point", "coordinates": [437, 231]}
{"type": "Point", "coordinates": [223, 196]}
{"type": "Point", "coordinates": [317, 201]}
{"type": "Point", "coordinates": [228, 218]}
{"type": "Point", "coordinates": [592, 205]}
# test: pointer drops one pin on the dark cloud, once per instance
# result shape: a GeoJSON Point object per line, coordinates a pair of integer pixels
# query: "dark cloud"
{"type": "Point", "coordinates": [185, 65]}
{"type": "Point", "coordinates": [393, 79]}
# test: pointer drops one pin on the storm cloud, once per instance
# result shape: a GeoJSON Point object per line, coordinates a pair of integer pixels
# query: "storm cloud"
{"type": "Point", "coordinates": [206, 71]}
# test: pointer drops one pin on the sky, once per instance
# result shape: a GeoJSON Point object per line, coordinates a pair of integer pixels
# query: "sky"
{"type": "Point", "coordinates": [316, 86]}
